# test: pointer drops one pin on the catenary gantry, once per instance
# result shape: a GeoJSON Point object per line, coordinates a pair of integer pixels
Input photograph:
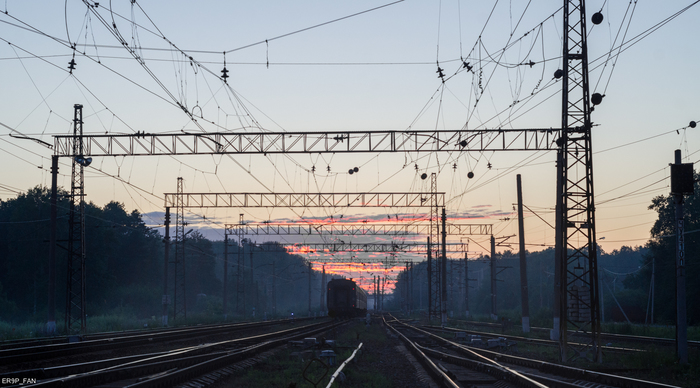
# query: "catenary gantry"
{"type": "Point", "coordinates": [541, 139]}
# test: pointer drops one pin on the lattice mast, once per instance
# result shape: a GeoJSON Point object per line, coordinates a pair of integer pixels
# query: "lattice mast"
{"type": "Point", "coordinates": [434, 286]}
{"type": "Point", "coordinates": [579, 305]}
{"type": "Point", "coordinates": [180, 283]}
{"type": "Point", "coordinates": [75, 319]}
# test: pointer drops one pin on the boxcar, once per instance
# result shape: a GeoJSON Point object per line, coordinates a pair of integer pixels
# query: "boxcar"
{"type": "Point", "coordinates": [345, 299]}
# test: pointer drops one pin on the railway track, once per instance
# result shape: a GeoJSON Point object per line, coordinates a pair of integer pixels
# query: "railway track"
{"type": "Point", "coordinates": [163, 368]}
{"type": "Point", "coordinates": [606, 337]}
{"type": "Point", "coordinates": [452, 364]}
{"type": "Point", "coordinates": [39, 351]}
{"type": "Point", "coordinates": [523, 340]}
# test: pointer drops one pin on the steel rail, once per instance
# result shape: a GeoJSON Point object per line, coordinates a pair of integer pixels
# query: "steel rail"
{"type": "Point", "coordinates": [63, 339]}
{"type": "Point", "coordinates": [42, 352]}
{"type": "Point", "coordinates": [491, 367]}
{"type": "Point", "coordinates": [177, 359]}
{"type": "Point", "coordinates": [174, 377]}
{"type": "Point", "coordinates": [607, 336]}
{"type": "Point", "coordinates": [437, 373]}
{"type": "Point", "coordinates": [533, 341]}
{"type": "Point", "coordinates": [543, 366]}
{"type": "Point", "coordinates": [340, 368]}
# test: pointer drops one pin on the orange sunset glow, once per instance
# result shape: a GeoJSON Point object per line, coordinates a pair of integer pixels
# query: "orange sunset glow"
{"type": "Point", "coordinates": [362, 273]}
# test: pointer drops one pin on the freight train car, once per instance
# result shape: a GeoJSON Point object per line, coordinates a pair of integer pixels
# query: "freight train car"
{"type": "Point", "coordinates": [346, 299]}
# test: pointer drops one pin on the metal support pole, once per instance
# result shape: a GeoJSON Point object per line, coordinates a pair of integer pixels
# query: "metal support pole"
{"type": "Point", "coordinates": [523, 261]}
{"type": "Point", "coordinates": [51, 324]}
{"type": "Point", "coordinates": [309, 265]}
{"type": "Point", "coordinates": [681, 319]}
{"type": "Point", "coordinates": [494, 314]}
{"type": "Point", "coordinates": [166, 248]}
{"type": "Point", "coordinates": [253, 301]}
{"type": "Point", "coordinates": [443, 270]}
{"type": "Point", "coordinates": [323, 289]}
{"type": "Point", "coordinates": [274, 290]}
{"type": "Point", "coordinates": [225, 276]}
{"type": "Point", "coordinates": [466, 285]}
{"type": "Point", "coordinates": [559, 257]}
{"type": "Point", "coordinates": [430, 282]}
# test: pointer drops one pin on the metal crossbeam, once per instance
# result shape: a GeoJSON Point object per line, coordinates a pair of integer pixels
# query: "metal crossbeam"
{"type": "Point", "coordinates": [542, 139]}
{"type": "Point", "coordinates": [306, 200]}
{"type": "Point", "coordinates": [336, 247]}
{"type": "Point", "coordinates": [347, 229]}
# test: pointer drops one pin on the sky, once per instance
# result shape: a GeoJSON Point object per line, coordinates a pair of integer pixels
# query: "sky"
{"type": "Point", "coordinates": [350, 65]}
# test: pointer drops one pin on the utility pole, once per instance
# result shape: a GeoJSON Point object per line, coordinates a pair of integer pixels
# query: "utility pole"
{"type": "Point", "coordinates": [180, 286]}
{"type": "Point", "coordinates": [75, 295]}
{"type": "Point", "coordinates": [523, 261]}
{"type": "Point", "coordinates": [225, 276]}
{"type": "Point", "coordinates": [492, 261]}
{"type": "Point", "coordinates": [410, 287]}
{"type": "Point", "coordinates": [682, 183]}
{"type": "Point", "coordinates": [51, 324]}
{"type": "Point", "coordinates": [309, 265]}
{"type": "Point", "coordinates": [576, 238]}
{"type": "Point", "coordinates": [323, 289]}
{"type": "Point", "coordinates": [254, 301]}
{"type": "Point", "coordinates": [240, 302]}
{"type": "Point", "coordinates": [443, 270]}
{"type": "Point", "coordinates": [166, 248]}
{"type": "Point", "coordinates": [466, 285]}
{"type": "Point", "coordinates": [430, 277]}
{"type": "Point", "coordinates": [434, 283]}
{"type": "Point", "coordinates": [274, 290]}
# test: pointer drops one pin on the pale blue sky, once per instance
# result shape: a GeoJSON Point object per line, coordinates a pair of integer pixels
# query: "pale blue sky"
{"type": "Point", "coordinates": [368, 72]}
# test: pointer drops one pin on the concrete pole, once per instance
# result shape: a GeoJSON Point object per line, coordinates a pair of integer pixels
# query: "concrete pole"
{"type": "Point", "coordinates": [681, 320]}
{"type": "Point", "coordinates": [166, 248]}
{"type": "Point", "coordinates": [443, 270]}
{"type": "Point", "coordinates": [523, 261]}
{"type": "Point", "coordinates": [494, 314]}
{"type": "Point", "coordinates": [274, 290]}
{"type": "Point", "coordinates": [323, 289]}
{"type": "Point", "coordinates": [253, 302]}
{"type": "Point", "coordinates": [559, 250]}
{"type": "Point", "coordinates": [51, 321]}
{"type": "Point", "coordinates": [225, 276]}
{"type": "Point", "coordinates": [430, 281]}
{"type": "Point", "coordinates": [466, 285]}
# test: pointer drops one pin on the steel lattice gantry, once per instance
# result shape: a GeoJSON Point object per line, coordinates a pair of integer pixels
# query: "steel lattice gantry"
{"type": "Point", "coordinates": [578, 268]}
{"type": "Point", "coordinates": [337, 247]}
{"type": "Point", "coordinates": [541, 139]}
{"type": "Point", "coordinates": [306, 200]}
{"type": "Point", "coordinates": [353, 229]}
{"type": "Point", "coordinates": [181, 200]}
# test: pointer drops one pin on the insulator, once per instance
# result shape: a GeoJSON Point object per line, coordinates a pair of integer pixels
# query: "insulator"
{"type": "Point", "coordinates": [597, 18]}
{"type": "Point", "coordinates": [470, 175]}
{"type": "Point", "coordinates": [597, 98]}
{"type": "Point", "coordinates": [559, 73]}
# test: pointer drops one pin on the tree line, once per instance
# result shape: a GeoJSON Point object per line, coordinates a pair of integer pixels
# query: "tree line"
{"type": "Point", "coordinates": [125, 263]}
